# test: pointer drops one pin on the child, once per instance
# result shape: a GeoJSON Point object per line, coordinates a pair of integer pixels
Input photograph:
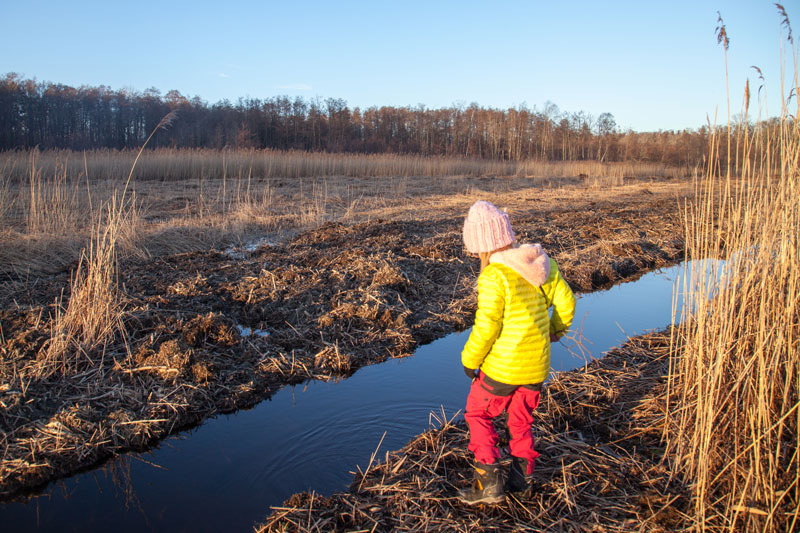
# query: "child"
{"type": "Point", "coordinates": [507, 355]}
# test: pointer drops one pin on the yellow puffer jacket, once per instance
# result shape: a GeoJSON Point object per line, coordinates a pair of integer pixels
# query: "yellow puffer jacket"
{"type": "Point", "coordinates": [510, 341]}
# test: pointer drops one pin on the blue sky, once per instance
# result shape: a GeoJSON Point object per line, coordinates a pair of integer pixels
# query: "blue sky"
{"type": "Point", "coordinates": [653, 65]}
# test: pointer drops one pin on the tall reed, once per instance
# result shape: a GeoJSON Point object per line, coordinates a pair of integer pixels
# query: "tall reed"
{"type": "Point", "coordinates": [52, 205]}
{"type": "Point", "coordinates": [734, 378]}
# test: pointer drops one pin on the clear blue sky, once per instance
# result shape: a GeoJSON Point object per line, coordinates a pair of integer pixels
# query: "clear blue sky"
{"type": "Point", "coordinates": [652, 64]}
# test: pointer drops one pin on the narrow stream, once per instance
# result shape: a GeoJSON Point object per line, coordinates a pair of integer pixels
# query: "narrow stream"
{"type": "Point", "coordinates": [226, 473]}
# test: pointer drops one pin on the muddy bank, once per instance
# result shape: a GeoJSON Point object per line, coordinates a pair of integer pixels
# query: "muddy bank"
{"type": "Point", "coordinates": [601, 467]}
{"type": "Point", "coordinates": [325, 303]}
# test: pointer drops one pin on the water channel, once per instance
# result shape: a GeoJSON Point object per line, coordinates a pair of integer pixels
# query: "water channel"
{"type": "Point", "coordinates": [226, 473]}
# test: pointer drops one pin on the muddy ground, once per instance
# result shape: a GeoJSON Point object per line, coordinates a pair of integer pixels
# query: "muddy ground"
{"type": "Point", "coordinates": [318, 306]}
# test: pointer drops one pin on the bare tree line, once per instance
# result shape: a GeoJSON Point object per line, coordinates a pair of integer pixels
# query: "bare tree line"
{"type": "Point", "coordinates": [51, 115]}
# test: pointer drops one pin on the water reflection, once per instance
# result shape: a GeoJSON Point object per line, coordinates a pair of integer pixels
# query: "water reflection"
{"type": "Point", "coordinates": [225, 474]}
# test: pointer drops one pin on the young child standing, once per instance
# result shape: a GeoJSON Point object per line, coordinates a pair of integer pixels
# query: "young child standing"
{"type": "Point", "coordinates": [507, 355]}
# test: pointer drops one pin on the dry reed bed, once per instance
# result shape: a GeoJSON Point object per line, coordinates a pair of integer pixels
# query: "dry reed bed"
{"type": "Point", "coordinates": [735, 376]}
{"type": "Point", "coordinates": [602, 467]}
{"type": "Point", "coordinates": [185, 200]}
{"type": "Point", "coordinates": [192, 164]}
{"type": "Point", "coordinates": [332, 299]}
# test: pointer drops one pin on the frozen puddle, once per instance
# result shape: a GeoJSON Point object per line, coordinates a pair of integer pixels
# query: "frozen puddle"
{"type": "Point", "coordinates": [225, 474]}
{"type": "Point", "coordinates": [240, 252]}
{"type": "Point", "coordinates": [247, 332]}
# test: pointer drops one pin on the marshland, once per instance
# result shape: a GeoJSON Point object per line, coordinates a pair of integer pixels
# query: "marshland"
{"type": "Point", "coordinates": [251, 315]}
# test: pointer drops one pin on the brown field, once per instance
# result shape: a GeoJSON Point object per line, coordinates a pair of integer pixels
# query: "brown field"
{"type": "Point", "coordinates": [186, 200]}
{"type": "Point", "coordinates": [353, 271]}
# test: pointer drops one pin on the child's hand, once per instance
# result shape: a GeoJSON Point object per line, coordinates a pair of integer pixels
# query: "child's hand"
{"type": "Point", "coordinates": [554, 337]}
{"type": "Point", "coordinates": [471, 373]}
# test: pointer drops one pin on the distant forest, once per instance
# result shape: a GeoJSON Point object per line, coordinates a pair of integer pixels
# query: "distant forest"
{"type": "Point", "coordinates": [52, 115]}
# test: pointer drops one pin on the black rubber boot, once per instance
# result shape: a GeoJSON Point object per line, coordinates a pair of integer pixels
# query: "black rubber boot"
{"type": "Point", "coordinates": [487, 486]}
{"type": "Point", "coordinates": [518, 478]}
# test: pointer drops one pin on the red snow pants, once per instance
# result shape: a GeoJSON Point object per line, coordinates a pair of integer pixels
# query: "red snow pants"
{"type": "Point", "coordinates": [483, 406]}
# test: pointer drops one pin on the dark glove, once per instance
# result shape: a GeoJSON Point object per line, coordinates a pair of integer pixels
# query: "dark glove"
{"type": "Point", "coordinates": [471, 373]}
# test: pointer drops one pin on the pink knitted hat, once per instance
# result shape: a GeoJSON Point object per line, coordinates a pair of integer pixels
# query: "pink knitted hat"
{"type": "Point", "coordinates": [486, 228]}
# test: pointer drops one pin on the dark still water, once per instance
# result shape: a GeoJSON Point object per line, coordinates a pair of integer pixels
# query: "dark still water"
{"type": "Point", "coordinates": [225, 474]}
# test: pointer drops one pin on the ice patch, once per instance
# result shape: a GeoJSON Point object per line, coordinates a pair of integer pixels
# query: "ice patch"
{"type": "Point", "coordinates": [233, 253]}
{"type": "Point", "coordinates": [240, 253]}
{"type": "Point", "coordinates": [247, 332]}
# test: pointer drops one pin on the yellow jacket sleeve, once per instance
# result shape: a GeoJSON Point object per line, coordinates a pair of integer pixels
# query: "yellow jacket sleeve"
{"type": "Point", "coordinates": [488, 318]}
{"type": "Point", "coordinates": [563, 301]}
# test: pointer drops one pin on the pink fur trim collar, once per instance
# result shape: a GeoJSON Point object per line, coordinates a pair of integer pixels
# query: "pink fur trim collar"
{"type": "Point", "coordinates": [529, 261]}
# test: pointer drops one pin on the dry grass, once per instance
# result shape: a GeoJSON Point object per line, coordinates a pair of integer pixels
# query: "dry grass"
{"type": "Point", "coordinates": [93, 315]}
{"type": "Point", "coordinates": [80, 333]}
{"type": "Point", "coordinates": [735, 377]}
{"type": "Point", "coordinates": [204, 164]}
{"type": "Point", "coordinates": [184, 200]}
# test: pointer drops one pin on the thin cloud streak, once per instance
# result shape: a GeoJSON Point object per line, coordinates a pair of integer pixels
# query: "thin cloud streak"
{"type": "Point", "coordinates": [295, 87]}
